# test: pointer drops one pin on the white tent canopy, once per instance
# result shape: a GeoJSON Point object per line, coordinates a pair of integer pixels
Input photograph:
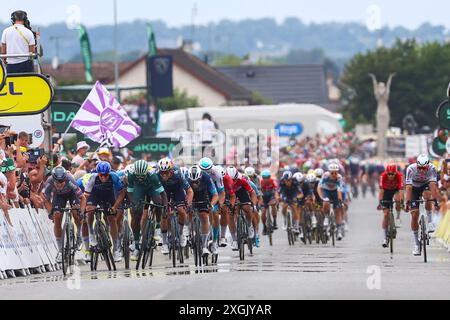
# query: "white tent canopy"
{"type": "Point", "coordinates": [312, 118]}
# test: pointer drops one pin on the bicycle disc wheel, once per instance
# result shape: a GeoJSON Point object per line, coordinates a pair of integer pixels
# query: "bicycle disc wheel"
{"type": "Point", "coordinates": [424, 239]}
{"type": "Point", "coordinates": [241, 239]}
{"type": "Point", "coordinates": [104, 246]}
{"type": "Point", "coordinates": [173, 242]}
{"type": "Point", "coordinates": [65, 249]}
{"type": "Point", "coordinates": [126, 246]}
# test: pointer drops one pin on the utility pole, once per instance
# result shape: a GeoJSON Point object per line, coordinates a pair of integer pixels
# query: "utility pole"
{"type": "Point", "coordinates": [116, 54]}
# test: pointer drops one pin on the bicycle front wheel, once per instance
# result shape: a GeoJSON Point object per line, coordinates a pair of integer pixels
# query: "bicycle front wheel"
{"type": "Point", "coordinates": [424, 240]}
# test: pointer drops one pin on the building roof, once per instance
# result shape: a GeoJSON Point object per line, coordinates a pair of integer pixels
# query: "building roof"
{"type": "Point", "coordinates": [73, 73]}
{"type": "Point", "coordinates": [203, 72]}
{"type": "Point", "coordinates": [282, 84]}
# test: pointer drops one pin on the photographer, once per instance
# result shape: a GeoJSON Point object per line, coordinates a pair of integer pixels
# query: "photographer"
{"type": "Point", "coordinates": [18, 39]}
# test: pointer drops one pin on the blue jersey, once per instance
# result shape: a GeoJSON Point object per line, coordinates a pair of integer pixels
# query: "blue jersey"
{"type": "Point", "coordinates": [289, 191]}
{"type": "Point", "coordinates": [113, 185]}
{"type": "Point", "coordinates": [255, 188]}
{"type": "Point", "coordinates": [306, 188]}
{"type": "Point", "coordinates": [329, 184]}
{"type": "Point", "coordinates": [204, 188]}
{"type": "Point", "coordinates": [175, 183]}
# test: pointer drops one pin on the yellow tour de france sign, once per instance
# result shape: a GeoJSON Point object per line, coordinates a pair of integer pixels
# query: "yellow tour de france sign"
{"type": "Point", "coordinates": [2, 74]}
{"type": "Point", "coordinates": [25, 94]}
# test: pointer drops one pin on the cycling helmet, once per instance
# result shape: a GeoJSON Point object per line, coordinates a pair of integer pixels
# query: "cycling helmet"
{"type": "Point", "coordinates": [233, 173]}
{"type": "Point", "coordinates": [103, 167]}
{"type": "Point", "coordinates": [184, 171]}
{"type": "Point", "coordinates": [287, 175]}
{"type": "Point", "coordinates": [423, 160]}
{"type": "Point", "coordinates": [165, 165]}
{"type": "Point", "coordinates": [333, 167]}
{"type": "Point", "coordinates": [141, 168]}
{"type": "Point", "coordinates": [391, 168]}
{"type": "Point", "coordinates": [319, 173]}
{"type": "Point", "coordinates": [311, 178]}
{"type": "Point", "coordinates": [206, 164]}
{"type": "Point", "coordinates": [221, 170]}
{"type": "Point", "coordinates": [299, 177]}
{"type": "Point", "coordinates": [250, 172]}
{"type": "Point", "coordinates": [266, 174]}
{"type": "Point", "coordinates": [195, 173]}
{"type": "Point", "coordinates": [129, 169]}
{"type": "Point", "coordinates": [59, 174]}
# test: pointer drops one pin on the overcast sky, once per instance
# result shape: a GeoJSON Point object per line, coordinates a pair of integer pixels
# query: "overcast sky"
{"type": "Point", "coordinates": [408, 13]}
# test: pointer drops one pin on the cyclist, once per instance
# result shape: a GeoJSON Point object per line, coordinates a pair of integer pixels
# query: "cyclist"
{"type": "Point", "coordinates": [271, 197]}
{"type": "Point", "coordinates": [330, 191]}
{"type": "Point", "coordinates": [61, 188]}
{"type": "Point", "coordinates": [105, 189]}
{"type": "Point", "coordinates": [290, 192]}
{"type": "Point", "coordinates": [205, 194]}
{"type": "Point", "coordinates": [307, 195]}
{"type": "Point", "coordinates": [391, 185]}
{"type": "Point", "coordinates": [421, 181]}
{"type": "Point", "coordinates": [255, 217]}
{"type": "Point", "coordinates": [180, 193]}
{"type": "Point", "coordinates": [243, 192]}
{"type": "Point", "coordinates": [312, 182]}
{"type": "Point", "coordinates": [144, 186]}
{"type": "Point", "coordinates": [207, 165]}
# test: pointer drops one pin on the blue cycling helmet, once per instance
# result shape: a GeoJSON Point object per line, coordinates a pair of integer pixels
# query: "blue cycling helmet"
{"type": "Point", "coordinates": [103, 167]}
{"type": "Point", "coordinates": [206, 164]}
{"type": "Point", "coordinates": [266, 174]}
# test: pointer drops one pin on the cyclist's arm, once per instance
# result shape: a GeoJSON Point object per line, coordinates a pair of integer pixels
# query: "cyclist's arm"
{"type": "Point", "coordinates": [189, 196]}
{"type": "Point", "coordinates": [120, 198]}
{"type": "Point", "coordinates": [408, 192]}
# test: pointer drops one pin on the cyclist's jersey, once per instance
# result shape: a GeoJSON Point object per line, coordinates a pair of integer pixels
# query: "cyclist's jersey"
{"type": "Point", "coordinates": [204, 189]}
{"type": "Point", "coordinates": [289, 191]}
{"type": "Point", "coordinates": [228, 185]}
{"type": "Point", "coordinates": [216, 177]}
{"type": "Point", "coordinates": [70, 188]}
{"type": "Point", "coordinates": [268, 187]}
{"type": "Point", "coordinates": [306, 188]}
{"type": "Point", "coordinates": [354, 168]}
{"type": "Point", "coordinates": [331, 185]}
{"type": "Point", "coordinates": [113, 186]}
{"type": "Point", "coordinates": [83, 181]}
{"type": "Point", "coordinates": [419, 179]}
{"type": "Point", "coordinates": [175, 183]}
{"type": "Point", "coordinates": [242, 183]}
{"type": "Point", "coordinates": [151, 182]}
{"type": "Point", "coordinates": [256, 181]}
{"type": "Point", "coordinates": [394, 184]}
{"type": "Point", "coordinates": [255, 188]}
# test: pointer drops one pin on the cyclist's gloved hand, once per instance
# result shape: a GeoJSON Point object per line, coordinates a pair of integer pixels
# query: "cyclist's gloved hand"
{"type": "Point", "coordinates": [380, 206]}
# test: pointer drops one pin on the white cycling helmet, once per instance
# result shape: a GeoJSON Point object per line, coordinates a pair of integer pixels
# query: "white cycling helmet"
{"type": "Point", "coordinates": [319, 173]}
{"type": "Point", "coordinates": [311, 178]}
{"type": "Point", "coordinates": [250, 172]}
{"type": "Point", "coordinates": [287, 175]}
{"type": "Point", "coordinates": [129, 169]}
{"type": "Point", "coordinates": [333, 167]}
{"type": "Point", "coordinates": [299, 177]}
{"type": "Point", "coordinates": [423, 160]}
{"type": "Point", "coordinates": [220, 170]}
{"type": "Point", "coordinates": [184, 171]}
{"type": "Point", "coordinates": [165, 165]}
{"type": "Point", "coordinates": [233, 173]}
{"type": "Point", "coordinates": [194, 173]}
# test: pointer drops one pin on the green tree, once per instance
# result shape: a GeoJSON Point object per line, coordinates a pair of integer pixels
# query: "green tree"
{"type": "Point", "coordinates": [179, 100]}
{"type": "Point", "coordinates": [229, 60]}
{"type": "Point", "coordinates": [259, 100]}
{"type": "Point", "coordinates": [423, 73]}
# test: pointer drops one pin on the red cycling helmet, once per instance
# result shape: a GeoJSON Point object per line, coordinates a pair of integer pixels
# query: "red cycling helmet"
{"type": "Point", "coordinates": [392, 168]}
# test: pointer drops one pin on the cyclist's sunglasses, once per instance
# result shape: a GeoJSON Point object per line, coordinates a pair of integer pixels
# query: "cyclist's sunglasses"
{"type": "Point", "coordinates": [103, 175]}
{"type": "Point", "coordinates": [140, 177]}
{"type": "Point", "coordinates": [422, 168]}
{"type": "Point", "coordinates": [391, 174]}
{"type": "Point", "coordinates": [59, 181]}
{"type": "Point", "coordinates": [165, 173]}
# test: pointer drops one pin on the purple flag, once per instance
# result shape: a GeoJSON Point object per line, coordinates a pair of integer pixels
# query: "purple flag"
{"type": "Point", "coordinates": [102, 119]}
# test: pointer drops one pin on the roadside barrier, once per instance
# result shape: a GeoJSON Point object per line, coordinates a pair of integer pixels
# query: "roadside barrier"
{"type": "Point", "coordinates": [443, 231]}
{"type": "Point", "coordinates": [28, 246]}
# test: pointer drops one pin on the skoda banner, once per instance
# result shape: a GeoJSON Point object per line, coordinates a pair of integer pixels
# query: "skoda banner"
{"type": "Point", "coordinates": [2, 74]}
{"type": "Point", "coordinates": [25, 94]}
{"type": "Point", "coordinates": [157, 147]}
{"type": "Point", "coordinates": [62, 115]}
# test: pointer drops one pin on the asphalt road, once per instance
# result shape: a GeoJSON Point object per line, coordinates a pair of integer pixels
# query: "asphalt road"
{"type": "Point", "coordinates": [357, 268]}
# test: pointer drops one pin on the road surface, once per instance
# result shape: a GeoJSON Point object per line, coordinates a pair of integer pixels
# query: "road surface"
{"type": "Point", "coordinates": [357, 268]}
